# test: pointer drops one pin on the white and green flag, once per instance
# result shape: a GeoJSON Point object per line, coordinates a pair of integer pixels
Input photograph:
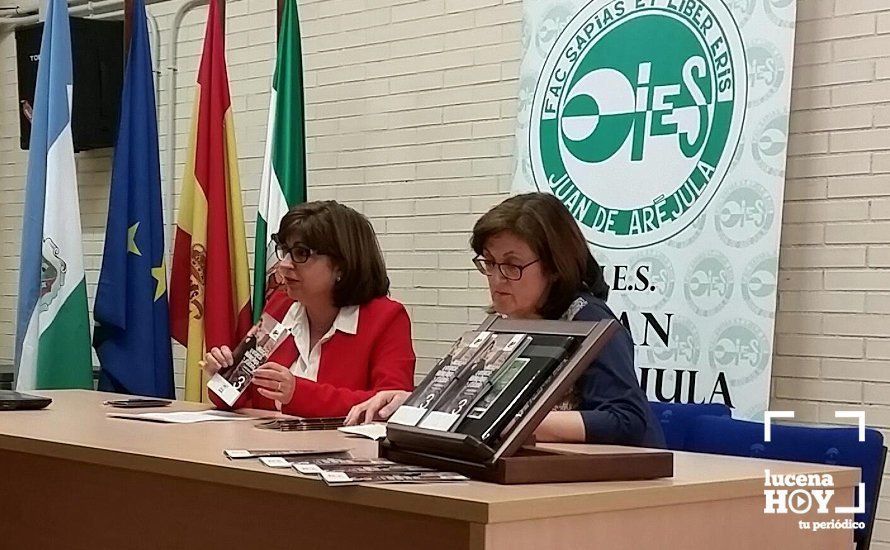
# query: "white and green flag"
{"type": "Point", "coordinates": [662, 126]}
{"type": "Point", "coordinates": [284, 164]}
{"type": "Point", "coordinates": [52, 332]}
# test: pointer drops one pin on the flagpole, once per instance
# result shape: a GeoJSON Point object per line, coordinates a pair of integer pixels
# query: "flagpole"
{"type": "Point", "coordinates": [128, 26]}
{"type": "Point", "coordinates": [222, 21]}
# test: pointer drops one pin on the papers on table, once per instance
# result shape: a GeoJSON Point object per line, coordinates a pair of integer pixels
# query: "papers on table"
{"type": "Point", "coordinates": [269, 453]}
{"type": "Point", "coordinates": [350, 471]}
{"type": "Point", "coordinates": [338, 478]}
{"type": "Point", "coordinates": [275, 462]}
{"type": "Point", "coordinates": [344, 470]}
{"type": "Point", "coordinates": [183, 417]}
{"type": "Point", "coordinates": [303, 424]}
{"type": "Point", "coordinates": [371, 431]}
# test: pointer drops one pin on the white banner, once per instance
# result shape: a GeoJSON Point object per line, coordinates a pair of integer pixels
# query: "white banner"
{"type": "Point", "coordinates": [662, 126]}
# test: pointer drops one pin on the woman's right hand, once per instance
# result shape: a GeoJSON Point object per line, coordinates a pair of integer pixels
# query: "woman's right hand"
{"type": "Point", "coordinates": [381, 405]}
{"type": "Point", "coordinates": [216, 359]}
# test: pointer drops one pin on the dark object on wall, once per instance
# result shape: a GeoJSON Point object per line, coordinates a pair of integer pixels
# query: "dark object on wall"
{"type": "Point", "coordinates": [97, 51]}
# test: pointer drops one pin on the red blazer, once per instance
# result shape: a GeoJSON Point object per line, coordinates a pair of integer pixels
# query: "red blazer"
{"type": "Point", "coordinates": [352, 367]}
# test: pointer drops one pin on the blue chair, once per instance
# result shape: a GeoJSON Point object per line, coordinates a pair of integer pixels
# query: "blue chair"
{"type": "Point", "coordinates": [818, 445]}
{"type": "Point", "coordinates": [676, 419]}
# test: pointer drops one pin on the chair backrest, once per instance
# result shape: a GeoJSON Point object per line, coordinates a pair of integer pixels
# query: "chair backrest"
{"type": "Point", "coordinates": [677, 418]}
{"type": "Point", "coordinates": [818, 445]}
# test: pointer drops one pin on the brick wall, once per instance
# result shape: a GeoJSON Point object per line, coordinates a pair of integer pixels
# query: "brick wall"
{"type": "Point", "coordinates": [832, 329]}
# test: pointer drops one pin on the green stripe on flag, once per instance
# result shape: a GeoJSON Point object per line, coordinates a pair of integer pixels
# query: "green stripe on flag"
{"type": "Point", "coordinates": [259, 267]}
{"type": "Point", "coordinates": [284, 173]}
{"type": "Point", "coordinates": [289, 143]}
{"type": "Point", "coordinates": [64, 358]}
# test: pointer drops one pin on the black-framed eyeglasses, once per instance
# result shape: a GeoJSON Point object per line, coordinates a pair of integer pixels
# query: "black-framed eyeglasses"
{"type": "Point", "coordinates": [299, 253]}
{"type": "Point", "coordinates": [511, 272]}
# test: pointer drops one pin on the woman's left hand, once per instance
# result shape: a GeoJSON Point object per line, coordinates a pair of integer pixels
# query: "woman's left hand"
{"type": "Point", "coordinates": [275, 381]}
{"type": "Point", "coordinates": [561, 427]}
{"type": "Point", "coordinates": [383, 405]}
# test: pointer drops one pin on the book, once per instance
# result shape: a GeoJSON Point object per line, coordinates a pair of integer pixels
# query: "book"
{"type": "Point", "coordinates": [237, 454]}
{"type": "Point", "coordinates": [254, 350]}
{"type": "Point", "coordinates": [389, 468]}
{"type": "Point", "coordinates": [512, 386]}
{"type": "Point", "coordinates": [375, 431]}
{"type": "Point", "coordinates": [340, 478]}
{"type": "Point", "coordinates": [183, 417]}
{"type": "Point", "coordinates": [451, 406]}
{"type": "Point", "coordinates": [439, 379]}
{"type": "Point", "coordinates": [513, 422]}
{"type": "Point", "coordinates": [303, 424]}
{"type": "Point", "coordinates": [349, 471]}
{"type": "Point", "coordinates": [137, 403]}
{"type": "Point", "coordinates": [314, 466]}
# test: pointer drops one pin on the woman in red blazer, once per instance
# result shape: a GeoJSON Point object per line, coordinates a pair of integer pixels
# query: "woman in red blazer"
{"type": "Point", "coordinates": [348, 340]}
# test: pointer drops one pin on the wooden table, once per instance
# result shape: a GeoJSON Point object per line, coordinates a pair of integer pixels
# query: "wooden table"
{"type": "Point", "coordinates": [70, 477]}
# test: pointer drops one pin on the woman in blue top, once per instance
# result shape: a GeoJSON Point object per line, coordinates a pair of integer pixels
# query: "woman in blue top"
{"type": "Point", "coordinates": [539, 267]}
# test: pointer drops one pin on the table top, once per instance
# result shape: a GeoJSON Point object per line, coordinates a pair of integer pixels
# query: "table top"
{"type": "Point", "coordinates": [76, 427]}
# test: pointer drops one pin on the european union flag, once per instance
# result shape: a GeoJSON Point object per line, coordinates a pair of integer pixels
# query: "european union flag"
{"type": "Point", "coordinates": [132, 336]}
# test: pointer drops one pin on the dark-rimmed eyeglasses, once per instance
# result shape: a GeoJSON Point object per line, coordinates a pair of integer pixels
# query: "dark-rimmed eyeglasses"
{"type": "Point", "coordinates": [511, 272]}
{"type": "Point", "coordinates": [299, 253]}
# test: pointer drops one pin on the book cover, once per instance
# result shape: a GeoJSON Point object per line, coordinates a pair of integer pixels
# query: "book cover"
{"type": "Point", "coordinates": [445, 413]}
{"type": "Point", "coordinates": [461, 354]}
{"type": "Point", "coordinates": [514, 385]}
{"type": "Point", "coordinates": [263, 339]}
{"type": "Point", "coordinates": [336, 478]}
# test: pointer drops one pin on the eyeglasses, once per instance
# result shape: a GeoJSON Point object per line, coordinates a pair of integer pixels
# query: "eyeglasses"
{"type": "Point", "coordinates": [299, 253]}
{"type": "Point", "coordinates": [511, 272]}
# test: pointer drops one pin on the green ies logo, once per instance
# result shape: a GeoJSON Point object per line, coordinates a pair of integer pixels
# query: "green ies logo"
{"type": "Point", "coordinates": [636, 115]}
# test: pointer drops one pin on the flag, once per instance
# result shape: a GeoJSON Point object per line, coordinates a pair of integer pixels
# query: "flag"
{"type": "Point", "coordinates": [52, 345]}
{"type": "Point", "coordinates": [132, 334]}
{"type": "Point", "coordinates": [284, 163]}
{"type": "Point", "coordinates": [209, 287]}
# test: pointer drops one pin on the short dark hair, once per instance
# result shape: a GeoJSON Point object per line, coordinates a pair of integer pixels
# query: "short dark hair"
{"type": "Point", "coordinates": [542, 221]}
{"type": "Point", "coordinates": [348, 238]}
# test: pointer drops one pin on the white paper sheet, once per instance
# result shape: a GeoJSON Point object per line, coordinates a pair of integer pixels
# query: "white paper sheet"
{"type": "Point", "coordinates": [371, 431]}
{"type": "Point", "coordinates": [183, 417]}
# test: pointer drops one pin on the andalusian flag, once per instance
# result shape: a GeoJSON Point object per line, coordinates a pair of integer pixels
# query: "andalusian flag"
{"type": "Point", "coordinates": [52, 345]}
{"type": "Point", "coordinates": [284, 163]}
{"type": "Point", "coordinates": [209, 288]}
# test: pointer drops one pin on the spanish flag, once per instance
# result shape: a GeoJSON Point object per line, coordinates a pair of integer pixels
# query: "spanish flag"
{"type": "Point", "coordinates": [209, 289]}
